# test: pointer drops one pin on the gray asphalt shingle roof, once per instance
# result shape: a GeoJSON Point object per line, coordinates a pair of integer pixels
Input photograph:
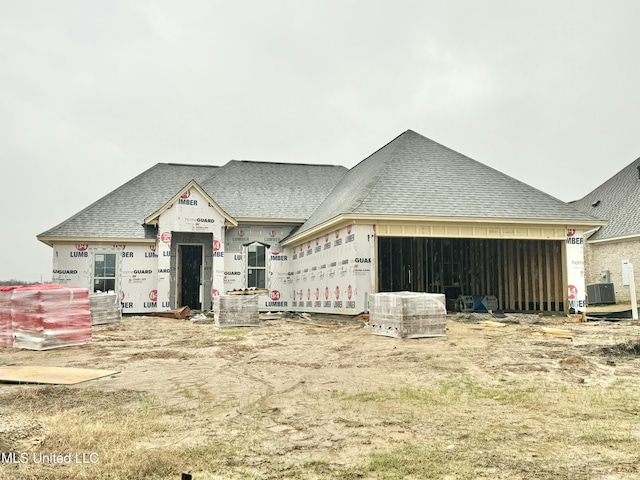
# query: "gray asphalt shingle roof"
{"type": "Point", "coordinates": [241, 188]}
{"type": "Point", "coordinates": [121, 213]}
{"type": "Point", "coordinates": [617, 201]}
{"type": "Point", "coordinates": [272, 190]}
{"type": "Point", "coordinates": [415, 176]}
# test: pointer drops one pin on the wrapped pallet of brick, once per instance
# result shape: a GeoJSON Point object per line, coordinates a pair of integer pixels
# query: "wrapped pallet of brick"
{"type": "Point", "coordinates": [50, 316]}
{"type": "Point", "coordinates": [6, 327]}
{"type": "Point", "coordinates": [105, 308]}
{"type": "Point", "coordinates": [236, 311]}
{"type": "Point", "coordinates": [408, 314]}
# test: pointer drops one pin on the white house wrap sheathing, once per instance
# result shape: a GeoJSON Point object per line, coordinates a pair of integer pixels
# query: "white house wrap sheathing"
{"type": "Point", "coordinates": [236, 311]}
{"type": "Point", "coordinates": [190, 213]}
{"type": "Point", "coordinates": [279, 276]}
{"type": "Point", "coordinates": [334, 273]}
{"type": "Point", "coordinates": [575, 270]}
{"type": "Point", "coordinates": [408, 314]}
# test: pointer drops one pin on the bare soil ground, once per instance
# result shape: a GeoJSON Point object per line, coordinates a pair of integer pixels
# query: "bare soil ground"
{"type": "Point", "coordinates": [289, 400]}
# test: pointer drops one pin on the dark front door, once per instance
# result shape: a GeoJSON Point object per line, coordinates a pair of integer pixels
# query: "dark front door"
{"type": "Point", "coordinates": [190, 268]}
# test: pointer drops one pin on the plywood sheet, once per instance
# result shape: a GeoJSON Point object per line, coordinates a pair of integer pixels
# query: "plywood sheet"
{"type": "Point", "coordinates": [51, 375]}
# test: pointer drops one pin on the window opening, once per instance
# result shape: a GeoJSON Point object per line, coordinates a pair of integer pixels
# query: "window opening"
{"type": "Point", "coordinates": [104, 272]}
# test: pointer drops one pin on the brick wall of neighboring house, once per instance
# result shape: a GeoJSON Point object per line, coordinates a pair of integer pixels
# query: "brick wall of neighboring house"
{"type": "Point", "coordinates": [608, 256]}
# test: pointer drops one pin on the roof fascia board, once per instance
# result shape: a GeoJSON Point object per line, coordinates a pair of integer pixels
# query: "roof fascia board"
{"type": "Point", "coordinates": [153, 218]}
{"type": "Point", "coordinates": [270, 221]}
{"type": "Point", "coordinates": [616, 239]}
{"type": "Point", "coordinates": [112, 240]}
{"type": "Point", "coordinates": [342, 219]}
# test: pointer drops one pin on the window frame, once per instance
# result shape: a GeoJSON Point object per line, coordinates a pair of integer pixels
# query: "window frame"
{"type": "Point", "coordinates": [254, 247]}
{"type": "Point", "coordinates": [104, 277]}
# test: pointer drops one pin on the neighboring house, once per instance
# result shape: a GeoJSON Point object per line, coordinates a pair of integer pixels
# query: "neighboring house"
{"type": "Point", "coordinates": [611, 247]}
{"type": "Point", "coordinates": [414, 215]}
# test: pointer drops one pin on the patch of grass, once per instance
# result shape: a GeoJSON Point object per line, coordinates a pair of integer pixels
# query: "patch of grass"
{"type": "Point", "coordinates": [411, 461]}
{"type": "Point", "coordinates": [231, 332]}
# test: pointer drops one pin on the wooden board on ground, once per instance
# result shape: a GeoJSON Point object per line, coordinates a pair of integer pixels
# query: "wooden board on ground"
{"type": "Point", "coordinates": [178, 313]}
{"type": "Point", "coordinates": [558, 332]}
{"type": "Point", "coordinates": [257, 291]}
{"type": "Point", "coordinates": [51, 375]}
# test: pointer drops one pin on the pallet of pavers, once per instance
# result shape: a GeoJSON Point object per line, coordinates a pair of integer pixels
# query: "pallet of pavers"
{"type": "Point", "coordinates": [236, 311]}
{"type": "Point", "coordinates": [408, 314]}
{"type": "Point", "coordinates": [104, 307]}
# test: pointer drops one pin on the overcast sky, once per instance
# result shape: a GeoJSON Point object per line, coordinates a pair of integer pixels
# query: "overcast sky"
{"type": "Point", "coordinates": [92, 93]}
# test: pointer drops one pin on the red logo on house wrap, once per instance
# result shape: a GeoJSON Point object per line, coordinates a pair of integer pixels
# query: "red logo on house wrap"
{"type": "Point", "coordinates": [216, 245]}
{"type": "Point", "coordinates": [272, 233]}
{"type": "Point", "coordinates": [122, 295]}
{"type": "Point", "coordinates": [152, 248]}
{"type": "Point", "coordinates": [186, 194]}
{"type": "Point", "coordinates": [241, 233]}
{"type": "Point", "coordinates": [153, 295]}
{"type": "Point", "coordinates": [215, 293]}
{"type": "Point", "coordinates": [308, 294]}
{"type": "Point", "coordinates": [274, 295]}
{"type": "Point", "coordinates": [349, 292]}
{"type": "Point", "coordinates": [317, 241]}
{"type": "Point", "coordinates": [571, 232]}
{"type": "Point", "coordinates": [337, 292]}
{"type": "Point", "coordinates": [573, 292]}
{"type": "Point", "coordinates": [308, 244]}
{"type": "Point", "coordinates": [326, 238]}
{"type": "Point", "coordinates": [337, 233]}
{"type": "Point", "coordinates": [165, 237]}
{"type": "Point", "coordinates": [317, 293]}
{"type": "Point", "coordinates": [81, 247]}
{"type": "Point", "coordinates": [349, 230]}
{"type": "Point", "coordinates": [326, 293]}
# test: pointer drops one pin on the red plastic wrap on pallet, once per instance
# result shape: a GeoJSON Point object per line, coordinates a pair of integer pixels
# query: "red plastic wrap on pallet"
{"type": "Point", "coordinates": [50, 316]}
{"type": "Point", "coordinates": [6, 328]}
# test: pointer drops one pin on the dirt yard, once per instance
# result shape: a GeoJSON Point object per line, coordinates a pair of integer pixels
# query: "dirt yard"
{"type": "Point", "coordinates": [291, 400]}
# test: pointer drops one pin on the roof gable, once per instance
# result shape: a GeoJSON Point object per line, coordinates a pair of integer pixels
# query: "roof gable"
{"type": "Point", "coordinates": [183, 193]}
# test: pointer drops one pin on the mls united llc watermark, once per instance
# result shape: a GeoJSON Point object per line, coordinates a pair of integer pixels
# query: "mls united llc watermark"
{"type": "Point", "coordinates": [49, 458]}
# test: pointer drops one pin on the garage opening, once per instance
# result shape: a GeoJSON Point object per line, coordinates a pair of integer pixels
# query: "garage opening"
{"type": "Point", "coordinates": [524, 275]}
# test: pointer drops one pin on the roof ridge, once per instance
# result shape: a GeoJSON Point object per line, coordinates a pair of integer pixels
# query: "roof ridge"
{"type": "Point", "coordinates": [285, 163]}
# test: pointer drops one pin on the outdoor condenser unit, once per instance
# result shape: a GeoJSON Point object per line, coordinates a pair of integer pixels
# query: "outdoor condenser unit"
{"type": "Point", "coordinates": [600, 293]}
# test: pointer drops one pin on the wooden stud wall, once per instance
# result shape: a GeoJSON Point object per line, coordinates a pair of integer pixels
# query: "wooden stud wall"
{"type": "Point", "coordinates": [524, 275]}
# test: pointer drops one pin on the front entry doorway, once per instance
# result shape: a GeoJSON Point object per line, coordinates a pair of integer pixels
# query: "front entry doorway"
{"type": "Point", "coordinates": [190, 276]}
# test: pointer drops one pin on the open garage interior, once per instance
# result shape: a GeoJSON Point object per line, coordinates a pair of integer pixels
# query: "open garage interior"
{"type": "Point", "coordinates": [524, 275]}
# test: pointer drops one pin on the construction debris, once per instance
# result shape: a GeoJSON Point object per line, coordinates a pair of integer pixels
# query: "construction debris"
{"type": "Point", "coordinates": [558, 332]}
{"type": "Point", "coordinates": [179, 313]}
